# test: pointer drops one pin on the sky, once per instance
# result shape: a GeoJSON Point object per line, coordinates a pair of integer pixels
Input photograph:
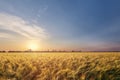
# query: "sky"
{"type": "Point", "coordinates": [87, 25]}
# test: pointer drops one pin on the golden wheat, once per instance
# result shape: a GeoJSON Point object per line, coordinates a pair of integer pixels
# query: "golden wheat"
{"type": "Point", "coordinates": [60, 66]}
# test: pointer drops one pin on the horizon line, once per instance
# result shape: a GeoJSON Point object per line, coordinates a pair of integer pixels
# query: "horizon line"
{"type": "Point", "coordinates": [9, 51]}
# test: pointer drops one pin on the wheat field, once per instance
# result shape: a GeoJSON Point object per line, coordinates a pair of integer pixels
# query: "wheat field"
{"type": "Point", "coordinates": [60, 66]}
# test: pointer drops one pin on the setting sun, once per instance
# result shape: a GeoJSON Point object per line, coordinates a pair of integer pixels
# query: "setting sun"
{"type": "Point", "coordinates": [33, 46]}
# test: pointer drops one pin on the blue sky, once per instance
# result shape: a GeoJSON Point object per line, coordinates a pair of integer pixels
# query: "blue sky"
{"type": "Point", "coordinates": [61, 24]}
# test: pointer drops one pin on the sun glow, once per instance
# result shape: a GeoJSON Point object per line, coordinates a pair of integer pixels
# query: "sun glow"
{"type": "Point", "coordinates": [33, 46]}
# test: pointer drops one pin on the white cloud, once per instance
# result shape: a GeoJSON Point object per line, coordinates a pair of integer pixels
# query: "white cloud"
{"type": "Point", "coordinates": [21, 27]}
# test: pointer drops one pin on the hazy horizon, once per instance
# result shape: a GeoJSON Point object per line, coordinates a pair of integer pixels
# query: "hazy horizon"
{"type": "Point", "coordinates": [60, 25]}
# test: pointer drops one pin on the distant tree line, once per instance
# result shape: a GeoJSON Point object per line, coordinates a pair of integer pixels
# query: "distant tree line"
{"type": "Point", "coordinates": [12, 51]}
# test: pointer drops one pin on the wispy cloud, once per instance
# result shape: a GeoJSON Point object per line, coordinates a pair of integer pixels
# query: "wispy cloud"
{"type": "Point", "coordinates": [4, 35]}
{"type": "Point", "coordinates": [20, 27]}
{"type": "Point", "coordinates": [41, 11]}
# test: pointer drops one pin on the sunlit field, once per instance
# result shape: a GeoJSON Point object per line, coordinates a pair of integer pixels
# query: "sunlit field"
{"type": "Point", "coordinates": [60, 66]}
